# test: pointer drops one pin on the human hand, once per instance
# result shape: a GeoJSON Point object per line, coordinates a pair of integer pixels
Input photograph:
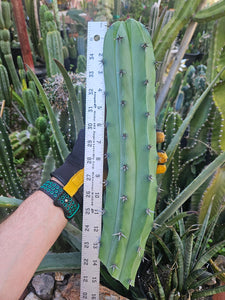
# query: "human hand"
{"type": "Point", "coordinates": [74, 161]}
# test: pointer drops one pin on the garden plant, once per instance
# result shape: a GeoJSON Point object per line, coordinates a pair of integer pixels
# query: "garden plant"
{"type": "Point", "coordinates": [160, 233]}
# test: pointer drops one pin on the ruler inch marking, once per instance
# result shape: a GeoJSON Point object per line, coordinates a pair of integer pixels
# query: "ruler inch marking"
{"type": "Point", "coordinates": [93, 162]}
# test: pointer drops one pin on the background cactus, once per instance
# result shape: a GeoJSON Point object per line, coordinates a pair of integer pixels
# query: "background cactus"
{"type": "Point", "coordinates": [7, 167]}
{"type": "Point", "coordinates": [132, 158]}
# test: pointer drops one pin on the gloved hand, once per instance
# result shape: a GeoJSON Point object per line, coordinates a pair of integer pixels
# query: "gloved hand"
{"type": "Point", "coordinates": [74, 161]}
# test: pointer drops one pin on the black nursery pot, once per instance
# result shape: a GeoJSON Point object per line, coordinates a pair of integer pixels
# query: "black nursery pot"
{"type": "Point", "coordinates": [192, 58]}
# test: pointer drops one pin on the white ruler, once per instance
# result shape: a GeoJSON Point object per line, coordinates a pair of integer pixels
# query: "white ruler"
{"type": "Point", "coordinates": [93, 164]}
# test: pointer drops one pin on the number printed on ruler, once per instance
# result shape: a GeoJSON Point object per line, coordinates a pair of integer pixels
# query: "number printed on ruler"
{"type": "Point", "coordinates": [93, 165]}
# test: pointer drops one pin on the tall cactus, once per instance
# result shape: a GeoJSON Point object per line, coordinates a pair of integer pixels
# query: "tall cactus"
{"type": "Point", "coordinates": [7, 167]}
{"type": "Point", "coordinates": [53, 43]}
{"type": "Point", "coordinates": [132, 157]}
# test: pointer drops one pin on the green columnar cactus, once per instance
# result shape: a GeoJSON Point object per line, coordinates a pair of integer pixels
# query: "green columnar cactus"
{"type": "Point", "coordinates": [6, 14]}
{"type": "Point", "coordinates": [22, 72]}
{"type": "Point", "coordinates": [170, 186]}
{"type": "Point", "coordinates": [4, 85]}
{"type": "Point", "coordinates": [154, 15]}
{"type": "Point", "coordinates": [6, 51]}
{"type": "Point", "coordinates": [81, 46]}
{"type": "Point", "coordinates": [43, 49]}
{"type": "Point", "coordinates": [81, 64]}
{"type": "Point", "coordinates": [30, 105]}
{"type": "Point", "coordinates": [53, 43]}
{"type": "Point", "coordinates": [43, 139]}
{"type": "Point", "coordinates": [131, 190]}
{"type": "Point", "coordinates": [214, 65]}
{"type": "Point", "coordinates": [72, 48]}
{"type": "Point", "coordinates": [7, 167]}
{"type": "Point", "coordinates": [31, 10]}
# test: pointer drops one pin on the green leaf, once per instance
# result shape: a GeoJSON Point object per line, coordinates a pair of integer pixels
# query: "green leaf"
{"type": "Point", "coordinates": [61, 144]}
{"type": "Point", "coordinates": [210, 292]}
{"type": "Point", "coordinates": [179, 249]}
{"type": "Point", "coordinates": [200, 237]}
{"type": "Point", "coordinates": [61, 262]}
{"type": "Point", "coordinates": [9, 202]}
{"type": "Point", "coordinates": [209, 254]}
{"type": "Point", "coordinates": [188, 255]}
{"type": "Point", "coordinates": [73, 236]}
{"type": "Point", "coordinates": [76, 113]}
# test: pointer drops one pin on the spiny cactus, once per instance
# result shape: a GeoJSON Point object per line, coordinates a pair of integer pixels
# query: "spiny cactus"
{"type": "Point", "coordinates": [7, 167]}
{"type": "Point", "coordinates": [4, 85]}
{"type": "Point", "coordinates": [20, 142]}
{"type": "Point", "coordinates": [132, 157]}
{"type": "Point", "coordinates": [22, 72]}
{"type": "Point", "coordinates": [153, 19]}
{"type": "Point", "coordinates": [81, 64]}
{"type": "Point", "coordinates": [6, 20]}
{"type": "Point", "coordinates": [43, 139]}
{"type": "Point", "coordinates": [53, 43]}
{"type": "Point", "coordinates": [30, 105]}
{"type": "Point", "coordinates": [6, 51]}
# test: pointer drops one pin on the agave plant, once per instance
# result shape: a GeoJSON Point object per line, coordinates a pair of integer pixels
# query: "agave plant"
{"type": "Point", "coordinates": [178, 256]}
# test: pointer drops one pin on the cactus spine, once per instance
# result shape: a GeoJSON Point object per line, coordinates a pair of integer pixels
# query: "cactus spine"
{"type": "Point", "coordinates": [132, 157]}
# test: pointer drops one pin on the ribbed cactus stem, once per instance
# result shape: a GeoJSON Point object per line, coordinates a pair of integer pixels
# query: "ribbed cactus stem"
{"type": "Point", "coordinates": [4, 86]}
{"type": "Point", "coordinates": [30, 105]}
{"type": "Point", "coordinates": [154, 14]}
{"type": "Point", "coordinates": [7, 167]}
{"type": "Point", "coordinates": [132, 158]}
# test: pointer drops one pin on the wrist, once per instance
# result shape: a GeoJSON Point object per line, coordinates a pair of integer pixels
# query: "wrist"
{"type": "Point", "coordinates": [54, 189]}
{"type": "Point", "coordinates": [57, 180]}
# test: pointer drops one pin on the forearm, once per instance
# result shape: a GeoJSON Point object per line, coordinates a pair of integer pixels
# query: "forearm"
{"type": "Point", "coordinates": [26, 237]}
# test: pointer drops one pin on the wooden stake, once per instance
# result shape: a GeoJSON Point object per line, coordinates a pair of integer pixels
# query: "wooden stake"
{"type": "Point", "coordinates": [2, 108]}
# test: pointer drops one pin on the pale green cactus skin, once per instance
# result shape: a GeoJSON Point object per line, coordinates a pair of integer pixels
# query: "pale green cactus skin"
{"type": "Point", "coordinates": [129, 68]}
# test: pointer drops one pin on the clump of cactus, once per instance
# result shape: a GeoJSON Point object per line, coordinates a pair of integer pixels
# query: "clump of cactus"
{"type": "Point", "coordinates": [5, 44]}
{"type": "Point", "coordinates": [132, 157]}
{"type": "Point", "coordinates": [51, 41]}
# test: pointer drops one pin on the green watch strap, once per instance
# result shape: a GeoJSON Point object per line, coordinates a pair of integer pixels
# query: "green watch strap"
{"type": "Point", "coordinates": [60, 198]}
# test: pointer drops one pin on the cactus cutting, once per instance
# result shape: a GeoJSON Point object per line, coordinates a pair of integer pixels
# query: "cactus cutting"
{"type": "Point", "coordinates": [129, 70]}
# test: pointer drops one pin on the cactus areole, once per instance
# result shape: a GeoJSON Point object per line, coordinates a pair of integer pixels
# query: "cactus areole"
{"type": "Point", "coordinates": [131, 187]}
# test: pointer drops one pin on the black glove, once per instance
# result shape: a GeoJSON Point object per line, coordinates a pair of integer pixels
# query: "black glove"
{"type": "Point", "coordinates": [74, 161]}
